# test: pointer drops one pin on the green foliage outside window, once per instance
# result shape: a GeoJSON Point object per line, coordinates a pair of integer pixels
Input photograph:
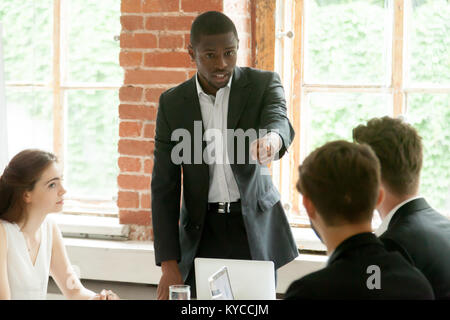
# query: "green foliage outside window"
{"type": "Point", "coordinates": [92, 57]}
{"type": "Point", "coordinates": [93, 54]}
{"type": "Point", "coordinates": [27, 39]}
{"type": "Point", "coordinates": [91, 167]}
{"type": "Point", "coordinates": [346, 44]}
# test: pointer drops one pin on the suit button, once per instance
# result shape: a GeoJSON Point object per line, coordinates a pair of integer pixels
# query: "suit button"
{"type": "Point", "coordinates": [197, 227]}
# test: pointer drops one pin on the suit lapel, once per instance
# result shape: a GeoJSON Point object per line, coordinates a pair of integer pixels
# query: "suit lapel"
{"type": "Point", "coordinates": [192, 103]}
{"type": "Point", "coordinates": [238, 97]}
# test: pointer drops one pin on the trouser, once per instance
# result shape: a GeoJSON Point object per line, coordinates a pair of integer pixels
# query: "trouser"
{"type": "Point", "coordinates": [224, 237]}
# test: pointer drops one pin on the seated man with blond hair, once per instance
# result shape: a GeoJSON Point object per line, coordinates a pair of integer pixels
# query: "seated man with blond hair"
{"type": "Point", "coordinates": [409, 224]}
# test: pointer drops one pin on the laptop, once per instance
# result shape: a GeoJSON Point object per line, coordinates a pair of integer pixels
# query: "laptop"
{"type": "Point", "coordinates": [248, 279]}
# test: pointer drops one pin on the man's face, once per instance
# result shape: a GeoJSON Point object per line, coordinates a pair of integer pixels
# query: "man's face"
{"type": "Point", "coordinates": [215, 57]}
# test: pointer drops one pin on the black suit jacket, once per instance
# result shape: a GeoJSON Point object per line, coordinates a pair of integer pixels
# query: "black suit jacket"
{"type": "Point", "coordinates": [256, 102]}
{"type": "Point", "coordinates": [422, 235]}
{"type": "Point", "coordinates": [346, 274]}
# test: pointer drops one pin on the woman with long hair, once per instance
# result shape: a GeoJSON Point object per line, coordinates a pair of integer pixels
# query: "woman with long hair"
{"type": "Point", "coordinates": [31, 245]}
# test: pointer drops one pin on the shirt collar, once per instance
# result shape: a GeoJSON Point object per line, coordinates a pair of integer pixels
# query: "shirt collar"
{"type": "Point", "coordinates": [385, 222]}
{"type": "Point", "coordinates": [200, 89]}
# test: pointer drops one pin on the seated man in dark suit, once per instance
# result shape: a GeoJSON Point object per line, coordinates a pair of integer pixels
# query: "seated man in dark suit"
{"type": "Point", "coordinates": [340, 184]}
{"type": "Point", "coordinates": [409, 225]}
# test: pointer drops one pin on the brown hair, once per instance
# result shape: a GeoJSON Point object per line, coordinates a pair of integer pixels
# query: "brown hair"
{"type": "Point", "coordinates": [19, 176]}
{"type": "Point", "coordinates": [342, 179]}
{"type": "Point", "coordinates": [399, 149]}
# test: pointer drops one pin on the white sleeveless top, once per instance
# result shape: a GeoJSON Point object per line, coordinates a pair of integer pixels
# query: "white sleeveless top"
{"type": "Point", "coordinates": [28, 281]}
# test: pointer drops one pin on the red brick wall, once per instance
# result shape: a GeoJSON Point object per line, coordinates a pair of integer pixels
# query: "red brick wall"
{"type": "Point", "coordinates": [153, 41]}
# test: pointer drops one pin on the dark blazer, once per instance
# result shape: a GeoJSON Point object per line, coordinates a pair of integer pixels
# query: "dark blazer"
{"type": "Point", "coordinates": [256, 102]}
{"type": "Point", "coordinates": [346, 274]}
{"type": "Point", "coordinates": [422, 235]}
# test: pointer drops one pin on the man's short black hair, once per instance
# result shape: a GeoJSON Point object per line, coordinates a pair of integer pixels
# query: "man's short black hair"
{"type": "Point", "coordinates": [211, 23]}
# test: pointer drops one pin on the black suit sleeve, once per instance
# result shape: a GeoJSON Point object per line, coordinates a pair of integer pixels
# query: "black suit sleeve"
{"type": "Point", "coordinates": [165, 190]}
{"type": "Point", "coordinates": [298, 290]}
{"type": "Point", "coordinates": [274, 113]}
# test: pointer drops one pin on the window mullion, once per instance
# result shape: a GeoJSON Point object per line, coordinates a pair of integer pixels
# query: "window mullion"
{"type": "Point", "coordinates": [297, 95]}
{"type": "Point", "coordinates": [58, 111]}
{"type": "Point", "coordinates": [397, 58]}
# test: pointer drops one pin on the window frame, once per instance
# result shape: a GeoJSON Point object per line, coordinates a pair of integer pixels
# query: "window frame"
{"type": "Point", "coordinates": [59, 87]}
{"type": "Point", "coordinates": [297, 89]}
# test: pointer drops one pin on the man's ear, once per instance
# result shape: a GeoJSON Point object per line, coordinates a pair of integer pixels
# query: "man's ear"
{"type": "Point", "coordinates": [381, 195]}
{"type": "Point", "coordinates": [191, 52]}
{"type": "Point", "coordinates": [309, 206]}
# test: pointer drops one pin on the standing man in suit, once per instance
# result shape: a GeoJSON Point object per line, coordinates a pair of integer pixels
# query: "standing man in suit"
{"type": "Point", "coordinates": [230, 207]}
{"type": "Point", "coordinates": [340, 184]}
{"type": "Point", "coordinates": [409, 225]}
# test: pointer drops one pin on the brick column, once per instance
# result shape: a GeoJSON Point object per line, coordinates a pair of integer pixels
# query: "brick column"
{"type": "Point", "coordinates": [153, 41]}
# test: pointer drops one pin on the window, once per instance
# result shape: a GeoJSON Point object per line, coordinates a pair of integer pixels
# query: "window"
{"type": "Point", "coordinates": [352, 60]}
{"type": "Point", "coordinates": [62, 79]}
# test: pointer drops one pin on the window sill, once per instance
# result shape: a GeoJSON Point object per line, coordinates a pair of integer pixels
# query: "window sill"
{"type": "Point", "coordinates": [81, 226]}
{"type": "Point", "coordinates": [106, 228]}
{"type": "Point", "coordinates": [306, 240]}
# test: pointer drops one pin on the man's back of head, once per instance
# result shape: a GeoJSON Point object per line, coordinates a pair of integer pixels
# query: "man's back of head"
{"type": "Point", "coordinates": [342, 180]}
{"type": "Point", "coordinates": [410, 226]}
{"type": "Point", "coordinates": [398, 146]}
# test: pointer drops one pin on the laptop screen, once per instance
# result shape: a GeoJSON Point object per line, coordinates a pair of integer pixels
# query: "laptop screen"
{"type": "Point", "coordinates": [220, 285]}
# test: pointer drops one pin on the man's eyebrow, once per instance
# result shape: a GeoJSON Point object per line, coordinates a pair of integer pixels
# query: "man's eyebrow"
{"type": "Point", "coordinates": [214, 49]}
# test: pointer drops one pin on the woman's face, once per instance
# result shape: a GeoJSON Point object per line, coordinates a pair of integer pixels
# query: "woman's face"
{"type": "Point", "coordinates": [47, 195]}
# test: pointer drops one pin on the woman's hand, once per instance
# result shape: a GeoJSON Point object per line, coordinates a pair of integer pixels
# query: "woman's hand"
{"type": "Point", "coordinates": [105, 295]}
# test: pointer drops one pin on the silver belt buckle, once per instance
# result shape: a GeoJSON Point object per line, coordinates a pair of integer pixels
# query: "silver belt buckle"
{"type": "Point", "coordinates": [224, 207]}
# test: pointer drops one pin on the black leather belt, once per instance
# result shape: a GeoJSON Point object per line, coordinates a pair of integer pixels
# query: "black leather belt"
{"type": "Point", "coordinates": [225, 207]}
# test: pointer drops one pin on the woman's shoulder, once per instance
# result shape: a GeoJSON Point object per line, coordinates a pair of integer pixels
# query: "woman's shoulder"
{"type": "Point", "coordinates": [3, 237]}
{"type": "Point", "coordinates": [49, 221]}
{"type": "Point", "coordinates": [50, 226]}
{"type": "Point", "coordinates": [5, 222]}
{"type": "Point", "coordinates": [5, 225]}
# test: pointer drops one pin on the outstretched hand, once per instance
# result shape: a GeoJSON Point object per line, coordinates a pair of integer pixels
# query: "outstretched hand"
{"type": "Point", "coordinates": [266, 148]}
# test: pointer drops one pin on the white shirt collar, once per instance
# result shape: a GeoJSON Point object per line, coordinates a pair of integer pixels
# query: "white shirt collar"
{"type": "Point", "coordinates": [385, 222]}
{"type": "Point", "coordinates": [200, 89]}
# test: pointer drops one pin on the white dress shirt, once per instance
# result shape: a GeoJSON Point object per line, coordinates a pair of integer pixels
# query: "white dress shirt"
{"type": "Point", "coordinates": [222, 184]}
{"type": "Point", "coordinates": [385, 222]}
